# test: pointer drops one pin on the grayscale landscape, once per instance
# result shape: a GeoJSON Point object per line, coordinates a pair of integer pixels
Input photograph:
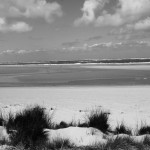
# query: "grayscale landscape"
{"type": "Point", "coordinates": [74, 75]}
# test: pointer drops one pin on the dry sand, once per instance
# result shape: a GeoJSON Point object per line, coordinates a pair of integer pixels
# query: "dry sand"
{"type": "Point", "coordinates": [125, 103]}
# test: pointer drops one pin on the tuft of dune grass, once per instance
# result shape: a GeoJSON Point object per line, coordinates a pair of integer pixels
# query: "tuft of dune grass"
{"type": "Point", "coordinates": [29, 125]}
{"type": "Point", "coordinates": [122, 129]}
{"type": "Point", "coordinates": [98, 119]}
{"type": "Point", "coordinates": [63, 124]}
{"type": "Point", "coordinates": [144, 130]}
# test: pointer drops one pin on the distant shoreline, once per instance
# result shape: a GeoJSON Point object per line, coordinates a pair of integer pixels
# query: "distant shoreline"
{"type": "Point", "coordinates": [84, 83]}
{"type": "Point", "coordinates": [80, 62]}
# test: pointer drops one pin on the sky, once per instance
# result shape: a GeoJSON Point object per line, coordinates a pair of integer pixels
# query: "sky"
{"type": "Point", "coordinates": [42, 30]}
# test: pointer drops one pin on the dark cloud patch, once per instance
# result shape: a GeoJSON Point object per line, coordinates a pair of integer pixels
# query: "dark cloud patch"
{"type": "Point", "coordinates": [70, 44]}
{"type": "Point", "coordinates": [49, 1]}
{"type": "Point", "coordinates": [94, 38]}
{"type": "Point", "coordinates": [58, 1]}
{"type": "Point", "coordinates": [111, 6]}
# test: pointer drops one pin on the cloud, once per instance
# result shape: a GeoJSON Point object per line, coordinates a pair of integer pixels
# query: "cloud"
{"type": "Point", "coordinates": [89, 8]}
{"type": "Point", "coordinates": [141, 25]}
{"type": "Point", "coordinates": [116, 45]}
{"type": "Point", "coordinates": [110, 45]}
{"type": "Point", "coordinates": [26, 9]}
{"type": "Point", "coordinates": [30, 9]}
{"type": "Point", "coordinates": [7, 52]}
{"type": "Point", "coordinates": [17, 27]}
{"type": "Point", "coordinates": [20, 27]}
{"type": "Point", "coordinates": [20, 52]}
{"type": "Point", "coordinates": [138, 30]}
{"type": "Point", "coordinates": [125, 12]}
{"type": "Point", "coordinates": [128, 11]}
{"type": "Point", "coordinates": [125, 35]}
{"type": "Point", "coordinates": [132, 36]}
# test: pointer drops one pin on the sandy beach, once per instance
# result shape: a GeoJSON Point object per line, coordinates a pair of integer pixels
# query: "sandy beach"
{"type": "Point", "coordinates": [129, 104]}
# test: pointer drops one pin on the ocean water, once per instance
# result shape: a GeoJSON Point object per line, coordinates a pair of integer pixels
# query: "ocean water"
{"type": "Point", "coordinates": [74, 75]}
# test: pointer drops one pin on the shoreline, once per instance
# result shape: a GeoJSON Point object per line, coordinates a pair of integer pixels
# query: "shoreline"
{"type": "Point", "coordinates": [126, 61]}
{"type": "Point", "coordinates": [134, 81]}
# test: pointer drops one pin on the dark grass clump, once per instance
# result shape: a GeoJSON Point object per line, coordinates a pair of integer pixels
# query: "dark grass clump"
{"type": "Point", "coordinates": [99, 119]}
{"type": "Point", "coordinates": [9, 124]}
{"type": "Point", "coordinates": [144, 130]}
{"type": "Point", "coordinates": [63, 124]}
{"type": "Point", "coordinates": [146, 141]}
{"type": "Point", "coordinates": [4, 142]}
{"type": "Point", "coordinates": [28, 126]}
{"type": "Point", "coordinates": [59, 143]}
{"type": "Point", "coordinates": [122, 129]}
{"type": "Point", "coordinates": [2, 120]}
{"type": "Point", "coordinates": [122, 143]}
{"type": "Point", "coordinates": [83, 124]}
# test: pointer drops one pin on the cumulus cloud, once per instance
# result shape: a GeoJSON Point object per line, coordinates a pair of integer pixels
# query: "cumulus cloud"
{"type": "Point", "coordinates": [127, 12]}
{"type": "Point", "coordinates": [20, 27]}
{"type": "Point", "coordinates": [26, 9]}
{"type": "Point", "coordinates": [30, 9]}
{"type": "Point", "coordinates": [140, 25]}
{"type": "Point", "coordinates": [17, 27]}
{"type": "Point", "coordinates": [89, 8]}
